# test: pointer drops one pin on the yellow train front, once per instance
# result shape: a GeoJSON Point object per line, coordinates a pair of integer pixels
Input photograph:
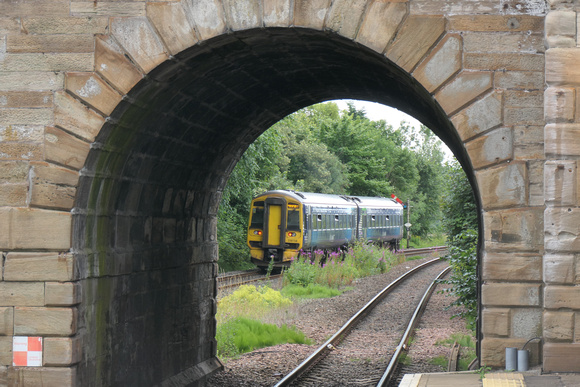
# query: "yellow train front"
{"type": "Point", "coordinates": [282, 223]}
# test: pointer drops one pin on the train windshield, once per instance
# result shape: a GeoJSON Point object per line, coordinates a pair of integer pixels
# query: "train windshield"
{"type": "Point", "coordinates": [257, 217]}
{"type": "Point", "coordinates": [293, 222]}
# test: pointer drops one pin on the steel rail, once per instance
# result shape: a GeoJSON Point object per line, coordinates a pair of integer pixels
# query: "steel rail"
{"type": "Point", "coordinates": [406, 336]}
{"type": "Point", "coordinates": [245, 282]}
{"type": "Point", "coordinates": [247, 273]}
{"type": "Point", "coordinates": [330, 343]}
{"type": "Point", "coordinates": [423, 250]}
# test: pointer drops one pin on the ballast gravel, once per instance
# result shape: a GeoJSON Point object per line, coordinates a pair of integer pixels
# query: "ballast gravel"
{"type": "Point", "coordinates": [318, 319]}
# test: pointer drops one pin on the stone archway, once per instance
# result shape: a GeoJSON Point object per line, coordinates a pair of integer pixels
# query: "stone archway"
{"type": "Point", "coordinates": [178, 91]}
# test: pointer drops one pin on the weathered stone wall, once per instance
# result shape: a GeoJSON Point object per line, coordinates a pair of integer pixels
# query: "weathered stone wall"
{"type": "Point", "coordinates": [120, 121]}
{"type": "Point", "coordinates": [561, 316]}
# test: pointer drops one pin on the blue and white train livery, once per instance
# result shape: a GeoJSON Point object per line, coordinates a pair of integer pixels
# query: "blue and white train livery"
{"type": "Point", "coordinates": [284, 222]}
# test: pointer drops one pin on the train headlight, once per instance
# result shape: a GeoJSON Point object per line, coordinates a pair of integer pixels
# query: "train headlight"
{"type": "Point", "coordinates": [257, 232]}
{"type": "Point", "coordinates": [291, 234]}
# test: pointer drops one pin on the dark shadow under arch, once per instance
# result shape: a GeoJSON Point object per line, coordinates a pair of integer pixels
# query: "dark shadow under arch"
{"type": "Point", "coordinates": [145, 214]}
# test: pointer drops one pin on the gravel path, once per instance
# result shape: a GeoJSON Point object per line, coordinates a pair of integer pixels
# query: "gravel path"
{"type": "Point", "coordinates": [319, 319]}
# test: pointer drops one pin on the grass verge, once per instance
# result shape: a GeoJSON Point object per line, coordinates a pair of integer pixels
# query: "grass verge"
{"type": "Point", "coordinates": [240, 335]}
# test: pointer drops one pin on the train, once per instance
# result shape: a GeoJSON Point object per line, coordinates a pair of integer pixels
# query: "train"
{"type": "Point", "coordinates": [284, 223]}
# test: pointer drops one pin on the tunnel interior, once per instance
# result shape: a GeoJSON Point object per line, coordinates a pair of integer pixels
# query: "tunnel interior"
{"type": "Point", "coordinates": [145, 213]}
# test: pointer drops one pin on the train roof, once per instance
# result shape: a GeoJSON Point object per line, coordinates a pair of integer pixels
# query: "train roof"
{"type": "Point", "coordinates": [337, 200]}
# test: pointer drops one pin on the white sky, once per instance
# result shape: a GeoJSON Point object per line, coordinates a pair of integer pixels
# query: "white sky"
{"type": "Point", "coordinates": [376, 111]}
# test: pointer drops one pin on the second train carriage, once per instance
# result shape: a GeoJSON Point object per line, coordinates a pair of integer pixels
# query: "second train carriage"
{"type": "Point", "coordinates": [284, 222]}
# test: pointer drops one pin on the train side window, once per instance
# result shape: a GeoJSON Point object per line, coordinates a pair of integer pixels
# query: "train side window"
{"type": "Point", "coordinates": [257, 218]}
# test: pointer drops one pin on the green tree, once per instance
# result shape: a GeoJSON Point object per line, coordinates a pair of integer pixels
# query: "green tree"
{"type": "Point", "coordinates": [313, 168]}
{"type": "Point", "coordinates": [255, 172]}
{"type": "Point", "coordinates": [323, 149]}
{"type": "Point", "coordinates": [365, 150]}
{"type": "Point", "coordinates": [429, 157]}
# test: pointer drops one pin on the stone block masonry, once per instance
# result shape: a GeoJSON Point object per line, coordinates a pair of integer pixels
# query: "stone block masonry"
{"type": "Point", "coordinates": [561, 189]}
{"type": "Point", "coordinates": [120, 122]}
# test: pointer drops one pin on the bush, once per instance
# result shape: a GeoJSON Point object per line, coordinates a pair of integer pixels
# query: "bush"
{"type": "Point", "coordinates": [338, 270]}
{"type": "Point", "coordinates": [301, 272]}
{"type": "Point", "coordinates": [370, 259]}
{"type": "Point", "coordinates": [251, 298]}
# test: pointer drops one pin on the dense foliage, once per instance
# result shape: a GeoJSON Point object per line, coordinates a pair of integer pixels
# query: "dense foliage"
{"type": "Point", "coordinates": [360, 260]}
{"type": "Point", "coordinates": [322, 149]}
{"type": "Point", "coordinates": [460, 223]}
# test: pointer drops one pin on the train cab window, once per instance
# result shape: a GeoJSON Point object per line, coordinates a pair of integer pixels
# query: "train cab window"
{"type": "Point", "coordinates": [373, 220]}
{"type": "Point", "coordinates": [293, 222]}
{"type": "Point", "coordinates": [257, 217]}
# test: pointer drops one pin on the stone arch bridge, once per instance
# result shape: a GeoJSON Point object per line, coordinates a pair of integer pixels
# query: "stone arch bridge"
{"type": "Point", "coordinates": [120, 122]}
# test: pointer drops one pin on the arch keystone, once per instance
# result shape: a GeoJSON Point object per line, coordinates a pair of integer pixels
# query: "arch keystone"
{"type": "Point", "coordinates": [243, 14]}
{"type": "Point", "coordinates": [277, 13]}
{"type": "Point", "coordinates": [310, 13]}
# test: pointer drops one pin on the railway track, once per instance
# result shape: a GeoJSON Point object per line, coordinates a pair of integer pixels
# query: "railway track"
{"type": "Point", "coordinates": [331, 358]}
{"type": "Point", "coordinates": [228, 281]}
{"type": "Point", "coordinates": [425, 251]}
{"type": "Point", "coordinates": [238, 278]}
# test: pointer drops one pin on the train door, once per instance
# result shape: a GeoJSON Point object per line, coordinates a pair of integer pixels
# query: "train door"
{"type": "Point", "coordinates": [275, 221]}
